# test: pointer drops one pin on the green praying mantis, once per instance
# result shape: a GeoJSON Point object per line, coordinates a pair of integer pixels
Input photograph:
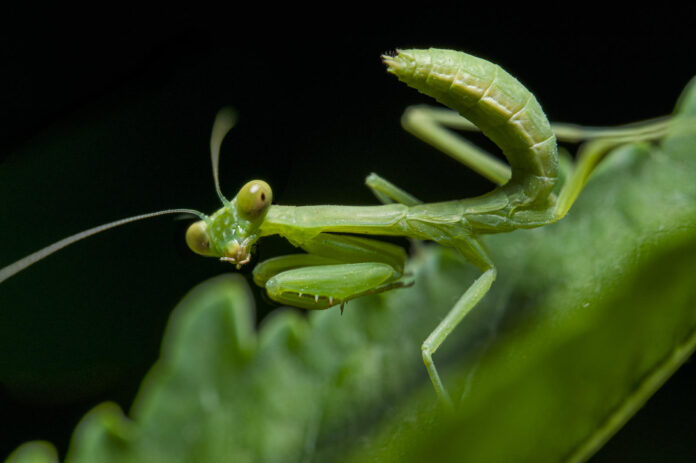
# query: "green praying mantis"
{"type": "Point", "coordinates": [338, 264]}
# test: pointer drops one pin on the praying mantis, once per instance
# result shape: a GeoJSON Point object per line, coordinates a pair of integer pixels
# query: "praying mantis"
{"type": "Point", "coordinates": [340, 264]}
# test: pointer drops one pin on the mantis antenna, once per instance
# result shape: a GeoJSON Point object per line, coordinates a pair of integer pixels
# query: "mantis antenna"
{"type": "Point", "coordinates": [224, 121]}
{"type": "Point", "coordinates": [31, 259]}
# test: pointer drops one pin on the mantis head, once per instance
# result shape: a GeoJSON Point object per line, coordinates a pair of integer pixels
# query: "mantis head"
{"type": "Point", "coordinates": [228, 234]}
{"type": "Point", "coordinates": [231, 232]}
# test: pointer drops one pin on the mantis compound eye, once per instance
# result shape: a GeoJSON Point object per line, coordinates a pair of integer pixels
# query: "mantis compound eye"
{"type": "Point", "coordinates": [254, 199]}
{"type": "Point", "coordinates": [198, 240]}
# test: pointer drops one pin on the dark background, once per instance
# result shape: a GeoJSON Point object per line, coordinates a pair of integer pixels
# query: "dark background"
{"type": "Point", "coordinates": [110, 117]}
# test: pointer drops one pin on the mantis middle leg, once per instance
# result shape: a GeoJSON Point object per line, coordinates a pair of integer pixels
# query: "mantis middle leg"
{"type": "Point", "coordinates": [474, 251]}
{"type": "Point", "coordinates": [386, 192]}
{"type": "Point", "coordinates": [432, 126]}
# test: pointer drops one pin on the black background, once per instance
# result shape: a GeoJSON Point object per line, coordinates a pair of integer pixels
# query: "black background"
{"type": "Point", "coordinates": [109, 117]}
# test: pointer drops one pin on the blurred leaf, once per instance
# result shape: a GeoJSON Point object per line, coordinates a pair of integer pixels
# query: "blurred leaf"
{"type": "Point", "coordinates": [34, 452]}
{"type": "Point", "coordinates": [587, 319]}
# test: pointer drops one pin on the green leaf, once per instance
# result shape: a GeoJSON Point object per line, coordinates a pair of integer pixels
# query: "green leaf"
{"type": "Point", "coordinates": [587, 319]}
{"type": "Point", "coordinates": [34, 452]}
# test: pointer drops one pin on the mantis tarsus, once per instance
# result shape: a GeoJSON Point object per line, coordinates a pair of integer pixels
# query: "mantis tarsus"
{"type": "Point", "coordinates": [339, 266]}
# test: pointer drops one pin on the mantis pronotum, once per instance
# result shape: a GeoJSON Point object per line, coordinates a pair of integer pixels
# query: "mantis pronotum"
{"type": "Point", "coordinates": [338, 267]}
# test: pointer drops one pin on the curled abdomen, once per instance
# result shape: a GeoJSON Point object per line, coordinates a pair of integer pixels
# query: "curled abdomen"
{"type": "Point", "coordinates": [504, 110]}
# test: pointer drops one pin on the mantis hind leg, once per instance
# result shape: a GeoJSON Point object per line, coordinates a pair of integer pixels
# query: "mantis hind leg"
{"type": "Point", "coordinates": [601, 141]}
{"type": "Point", "coordinates": [433, 124]}
{"type": "Point", "coordinates": [472, 249]}
{"type": "Point", "coordinates": [337, 269]}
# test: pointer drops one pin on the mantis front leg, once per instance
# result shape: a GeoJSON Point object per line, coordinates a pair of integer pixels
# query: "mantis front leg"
{"type": "Point", "coordinates": [336, 269]}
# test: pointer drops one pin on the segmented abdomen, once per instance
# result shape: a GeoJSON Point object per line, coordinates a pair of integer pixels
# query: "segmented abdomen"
{"type": "Point", "coordinates": [504, 110]}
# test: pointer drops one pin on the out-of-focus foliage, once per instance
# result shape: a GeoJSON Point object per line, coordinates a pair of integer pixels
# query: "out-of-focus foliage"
{"type": "Point", "coordinates": [587, 319]}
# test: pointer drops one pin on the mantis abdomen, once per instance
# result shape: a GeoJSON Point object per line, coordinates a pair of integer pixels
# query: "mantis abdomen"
{"type": "Point", "coordinates": [504, 110]}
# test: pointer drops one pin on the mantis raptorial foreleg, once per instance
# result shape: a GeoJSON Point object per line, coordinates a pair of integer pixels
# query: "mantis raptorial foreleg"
{"type": "Point", "coordinates": [336, 269]}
